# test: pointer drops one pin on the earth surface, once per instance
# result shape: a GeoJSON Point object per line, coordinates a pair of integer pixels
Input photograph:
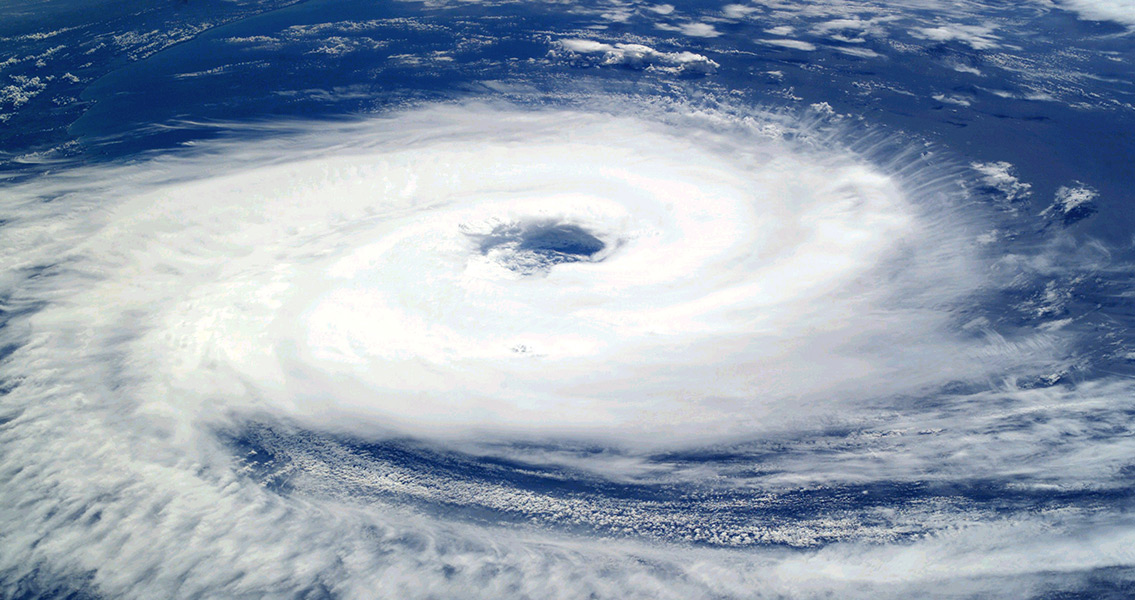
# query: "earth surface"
{"type": "Point", "coordinates": [567, 299]}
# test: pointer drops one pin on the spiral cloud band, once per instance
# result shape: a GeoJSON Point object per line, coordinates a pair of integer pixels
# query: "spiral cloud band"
{"type": "Point", "coordinates": [560, 271]}
{"type": "Point", "coordinates": [481, 275]}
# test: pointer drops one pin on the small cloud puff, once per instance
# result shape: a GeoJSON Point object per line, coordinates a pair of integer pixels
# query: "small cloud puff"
{"type": "Point", "coordinates": [998, 176]}
{"type": "Point", "coordinates": [1072, 204]}
{"type": "Point", "coordinates": [952, 99]}
{"type": "Point", "coordinates": [738, 11]}
{"type": "Point", "coordinates": [823, 108]}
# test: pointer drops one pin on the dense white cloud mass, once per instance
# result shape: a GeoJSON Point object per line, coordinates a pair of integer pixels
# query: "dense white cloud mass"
{"type": "Point", "coordinates": [779, 299]}
{"type": "Point", "coordinates": [1120, 11]}
{"type": "Point", "coordinates": [480, 274]}
{"type": "Point", "coordinates": [731, 271]}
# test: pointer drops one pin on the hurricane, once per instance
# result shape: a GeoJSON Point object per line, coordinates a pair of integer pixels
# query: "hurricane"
{"type": "Point", "coordinates": [326, 299]}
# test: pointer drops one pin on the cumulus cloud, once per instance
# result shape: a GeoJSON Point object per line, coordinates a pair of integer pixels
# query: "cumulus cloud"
{"type": "Point", "coordinates": [22, 90]}
{"type": "Point", "coordinates": [1072, 203]}
{"type": "Point", "coordinates": [638, 56]}
{"type": "Point", "coordinates": [1000, 175]}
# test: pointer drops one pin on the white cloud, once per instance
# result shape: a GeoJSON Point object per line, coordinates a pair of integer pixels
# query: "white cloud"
{"type": "Point", "coordinates": [860, 52]}
{"type": "Point", "coordinates": [691, 29]}
{"type": "Point", "coordinates": [854, 24]}
{"type": "Point", "coordinates": [1120, 11]}
{"type": "Point", "coordinates": [738, 11]}
{"type": "Point", "coordinates": [1000, 176]}
{"type": "Point", "coordinates": [22, 90]}
{"type": "Point", "coordinates": [639, 56]}
{"type": "Point", "coordinates": [1072, 203]}
{"type": "Point", "coordinates": [759, 278]}
{"type": "Point", "coordinates": [978, 37]}
{"type": "Point", "coordinates": [967, 69]}
{"type": "Point", "coordinates": [793, 44]}
{"type": "Point", "coordinates": [1071, 198]}
{"type": "Point", "coordinates": [822, 108]}
{"type": "Point", "coordinates": [952, 99]}
{"type": "Point", "coordinates": [261, 323]}
{"type": "Point", "coordinates": [699, 30]}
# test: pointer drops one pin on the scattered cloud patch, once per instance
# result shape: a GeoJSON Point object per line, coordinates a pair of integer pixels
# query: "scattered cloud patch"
{"type": "Point", "coordinates": [967, 69]}
{"type": "Point", "coordinates": [793, 44]}
{"type": "Point", "coordinates": [422, 60]}
{"type": "Point", "coordinates": [338, 45]}
{"type": "Point", "coordinates": [257, 40]}
{"type": "Point", "coordinates": [41, 35]}
{"type": "Point", "coordinates": [738, 11]}
{"type": "Point", "coordinates": [692, 29]}
{"type": "Point", "coordinates": [978, 37]}
{"type": "Point", "coordinates": [221, 69]}
{"type": "Point", "coordinates": [637, 56]}
{"type": "Point", "coordinates": [822, 108]}
{"type": "Point", "coordinates": [333, 38]}
{"type": "Point", "coordinates": [851, 30]}
{"type": "Point", "coordinates": [1072, 203]}
{"type": "Point", "coordinates": [618, 15]}
{"type": "Point", "coordinates": [22, 90]}
{"type": "Point", "coordinates": [860, 52]}
{"type": "Point", "coordinates": [138, 45]}
{"type": "Point", "coordinates": [952, 99]}
{"type": "Point", "coordinates": [1000, 177]}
